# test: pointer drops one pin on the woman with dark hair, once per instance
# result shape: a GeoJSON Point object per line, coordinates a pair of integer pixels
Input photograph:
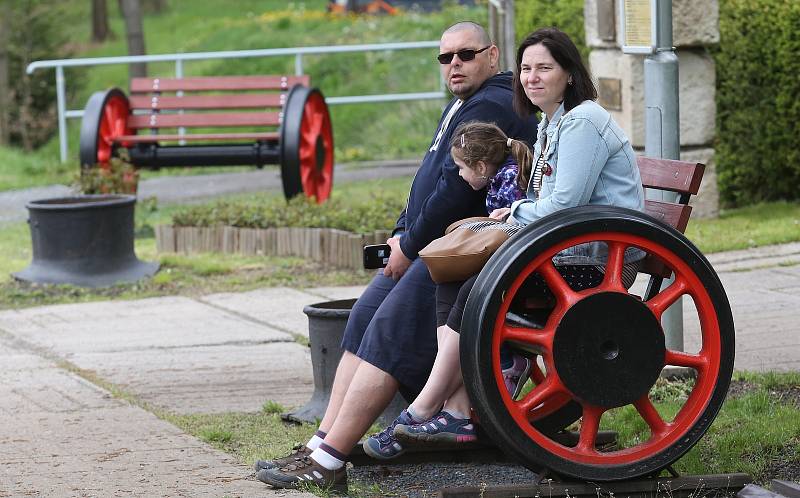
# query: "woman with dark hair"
{"type": "Point", "coordinates": [581, 157]}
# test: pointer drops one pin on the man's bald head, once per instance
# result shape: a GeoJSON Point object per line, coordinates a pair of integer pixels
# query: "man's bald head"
{"type": "Point", "coordinates": [481, 34]}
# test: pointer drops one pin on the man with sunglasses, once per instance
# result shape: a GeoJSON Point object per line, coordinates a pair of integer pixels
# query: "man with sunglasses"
{"type": "Point", "coordinates": [390, 338]}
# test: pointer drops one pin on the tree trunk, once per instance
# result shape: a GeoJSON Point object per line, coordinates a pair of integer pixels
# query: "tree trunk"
{"type": "Point", "coordinates": [132, 13]}
{"type": "Point", "coordinates": [100, 29]}
{"type": "Point", "coordinates": [5, 90]}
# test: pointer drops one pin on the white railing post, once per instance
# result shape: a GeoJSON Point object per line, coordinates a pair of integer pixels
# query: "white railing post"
{"type": "Point", "coordinates": [62, 107]}
{"type": "Point", "coordinates": [179, 93]}
{"type": "Point", "coordinates": [298, 64]}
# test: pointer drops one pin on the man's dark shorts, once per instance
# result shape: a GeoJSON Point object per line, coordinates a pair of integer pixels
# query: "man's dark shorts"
{"type": "Point", "coordinates": [393, 327]}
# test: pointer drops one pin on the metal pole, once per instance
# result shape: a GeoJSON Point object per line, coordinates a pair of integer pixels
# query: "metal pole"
{"type": "Point", "coordinates": [509, 35]}
{"type": "Point", "coordinates": [298, 65]}
{"type": "Point", "coordinates": [61, 103]}
{"type": "Point", "coordinates": [662, 132]}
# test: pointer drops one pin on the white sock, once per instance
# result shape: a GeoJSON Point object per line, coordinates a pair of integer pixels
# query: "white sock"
{"type": "Point", "coordinates": [456, 414]}
{"type": "Point", "coordinates": [327, 460]}
{"type": "Point", "coordinates": [413, 414]}
{"type": "Point", "coordinates": [314, 442]}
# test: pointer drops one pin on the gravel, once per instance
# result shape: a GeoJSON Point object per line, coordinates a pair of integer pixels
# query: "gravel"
{"type": "Point", "coordinates": [424, 480]}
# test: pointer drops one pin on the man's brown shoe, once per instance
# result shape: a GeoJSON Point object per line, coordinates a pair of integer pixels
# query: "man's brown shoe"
{"type": "Point", "coordinates": [305, 471]}
{"type": "Point", "coordinates": [299, 451]}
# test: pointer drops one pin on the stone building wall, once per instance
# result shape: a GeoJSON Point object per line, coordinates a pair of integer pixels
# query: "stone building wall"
{"type": "Point", "coordinates": [620, 80]}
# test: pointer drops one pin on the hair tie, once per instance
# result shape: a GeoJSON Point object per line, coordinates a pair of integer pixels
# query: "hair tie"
{"type": "Point", "coordinates": [508, 142]}
{"type": "Point", "coordinates": [462, 140]}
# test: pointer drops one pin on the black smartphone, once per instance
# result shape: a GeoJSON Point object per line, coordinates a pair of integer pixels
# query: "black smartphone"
{"type": "Point", "coordinates": [376, 256]}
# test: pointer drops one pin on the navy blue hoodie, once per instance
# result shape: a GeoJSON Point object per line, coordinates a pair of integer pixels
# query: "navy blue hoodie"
{"type": "Point", "coordinates": [438, 195]}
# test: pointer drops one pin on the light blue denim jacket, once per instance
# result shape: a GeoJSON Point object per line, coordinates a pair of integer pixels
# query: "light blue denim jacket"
{"type": "Point", "coordinates": [592, 163]}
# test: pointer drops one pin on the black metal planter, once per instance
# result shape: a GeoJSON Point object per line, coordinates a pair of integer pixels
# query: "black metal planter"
{"type": "Point", "coordinates": [85, 241]}
{"type": "Point", "coordinates": [326, 323]}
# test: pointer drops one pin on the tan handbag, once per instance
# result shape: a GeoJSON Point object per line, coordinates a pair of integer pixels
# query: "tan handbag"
{"type": "Point", "coordinates": [465, 248]}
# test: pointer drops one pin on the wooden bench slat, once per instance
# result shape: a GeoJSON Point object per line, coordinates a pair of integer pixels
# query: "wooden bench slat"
{"type": "Point", "coordinates": [667, 174]}
{"type": "Point", "coordinates": [212, 120]}
{"type": "Point", "coordinates": [206, 83]}
{"type": "Point", "coordinates": [674, 215]}
{"type": "Point", "coordinates": [198, 137]}
{"type": "Point", "coordinates": [153, 103]}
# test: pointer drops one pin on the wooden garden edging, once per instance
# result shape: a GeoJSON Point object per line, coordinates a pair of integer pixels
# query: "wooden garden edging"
{"type": "Point", "coordinates": [326, 245]}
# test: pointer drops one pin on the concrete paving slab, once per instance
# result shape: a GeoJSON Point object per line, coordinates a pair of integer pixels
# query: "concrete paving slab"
{"type": "Point", "coordinates": [766, 311]}
{"type": "Point", "coordinates": [66, 437]}
{"type": "Point", "coordinates": [278, 307]}
{"type": "Point", "coordinates": [165, 322]}
{"type": "Point", "coordinates": [209, 379]}
{"type": "Point", "coordinates": [759, 257]}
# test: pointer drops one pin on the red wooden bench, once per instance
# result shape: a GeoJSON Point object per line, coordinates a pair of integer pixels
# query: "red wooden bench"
{"type": "Point", "coordinates": [216, 121]}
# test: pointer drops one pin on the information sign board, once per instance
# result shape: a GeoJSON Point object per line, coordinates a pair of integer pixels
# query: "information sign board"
{"type": "Point", "coordinates": [638, 26]}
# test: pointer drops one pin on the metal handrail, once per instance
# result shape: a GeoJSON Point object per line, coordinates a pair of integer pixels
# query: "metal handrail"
{"type": "Point", "coordinates": [297, 52]}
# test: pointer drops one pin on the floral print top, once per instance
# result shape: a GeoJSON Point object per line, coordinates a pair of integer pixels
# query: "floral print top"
{"type": "Point", "coordinates": [503, 188]}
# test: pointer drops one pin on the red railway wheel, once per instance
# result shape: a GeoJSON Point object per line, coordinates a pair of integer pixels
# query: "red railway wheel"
{"type": "Point", "coordinates": [105, 118]}
{"type": "Point", "coordinates": [306, 147]}
{"type": "Point", "coordinates": [603, 347]}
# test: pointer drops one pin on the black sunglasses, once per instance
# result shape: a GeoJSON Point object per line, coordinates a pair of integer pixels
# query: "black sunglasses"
{"type": "Point", "coordinates": [465, 55]}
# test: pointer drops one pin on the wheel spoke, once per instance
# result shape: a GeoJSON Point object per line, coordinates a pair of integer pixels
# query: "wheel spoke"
{"type": "Point", "coordinates": [558, 286]}
{"type": "Point", "coordinates": [306, 152]}
{"type": "Point", "coordinates": [664, 299]}
{"type": "Point", "coordinates": [104, 132]}
{"type": "Point", "coordinates": [542, 339]}
{"type": "Point", "coordinates": [316, 123]}
{"type": "Point", "coordinates": [536, 371]}
{"type": "Point", "coordinates": [616, 259]}
{"type": "Point", "coordinates": [547, 390]}
{"type": "Point", "coordinates": [590, 424]}
{"type": "Point", "coordinates": [698, 362]}
{"type": "Point", "coordinates": [650, 415]}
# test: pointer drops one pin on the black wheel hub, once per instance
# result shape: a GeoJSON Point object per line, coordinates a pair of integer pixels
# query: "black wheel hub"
{"type": "Point", "coordinates": [609, 349]}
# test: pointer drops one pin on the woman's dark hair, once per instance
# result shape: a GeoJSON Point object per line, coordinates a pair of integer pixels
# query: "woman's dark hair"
{"type": "Point", "coordinates": [475, 141]}
{"type": "Point", "coordinates": [566, 54]}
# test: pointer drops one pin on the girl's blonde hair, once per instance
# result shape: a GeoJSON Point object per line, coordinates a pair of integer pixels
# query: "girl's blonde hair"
{"type": "Point", "coordinates": [478, 141]}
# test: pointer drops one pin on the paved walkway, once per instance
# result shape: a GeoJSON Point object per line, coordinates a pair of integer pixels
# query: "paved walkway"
{"type": "Point", "coordinates": [64, 436]}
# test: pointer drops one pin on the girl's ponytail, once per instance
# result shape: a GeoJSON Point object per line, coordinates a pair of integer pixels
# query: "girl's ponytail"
{"type": "Point", "coordinates": [524, 158]}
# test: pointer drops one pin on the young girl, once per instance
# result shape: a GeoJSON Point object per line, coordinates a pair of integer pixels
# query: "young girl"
{"type": "Point", "coordinates": [486, 158]}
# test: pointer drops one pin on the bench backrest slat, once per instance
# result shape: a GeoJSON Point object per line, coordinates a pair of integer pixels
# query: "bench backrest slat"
{"type": "Point", "coordinates": [209, 120]}
{"type": "Point", "coordinates": [681, 177]}
{"type": "Point", "coordinates": [154, 103]}
{"type": "Point", "coordinates": [216, 83]}
{"type": "Point", "coordinates": [674, 215]}
{"type": "Point", "coordinates": [667, 174]}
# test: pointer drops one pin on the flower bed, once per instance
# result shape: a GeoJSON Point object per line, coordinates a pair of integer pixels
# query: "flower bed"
{"type": "Point", "coordinates": [332, 233]}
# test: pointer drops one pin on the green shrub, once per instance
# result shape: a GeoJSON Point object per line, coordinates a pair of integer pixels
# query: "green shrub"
{"type": "Point", "coordinates": [758, 110]}
{"type": "Point", "coordinates": [375, 211]}
{"type": "Point", "coordinates": [119, 177]}
{"type": "Point", "coordinates": [566, 15]}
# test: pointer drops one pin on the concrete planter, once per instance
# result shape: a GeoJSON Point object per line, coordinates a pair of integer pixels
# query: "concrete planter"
{"type": "Point", "coordinates": [326, 323]}
{"type": "Point", "coordinates": [85, 241]}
